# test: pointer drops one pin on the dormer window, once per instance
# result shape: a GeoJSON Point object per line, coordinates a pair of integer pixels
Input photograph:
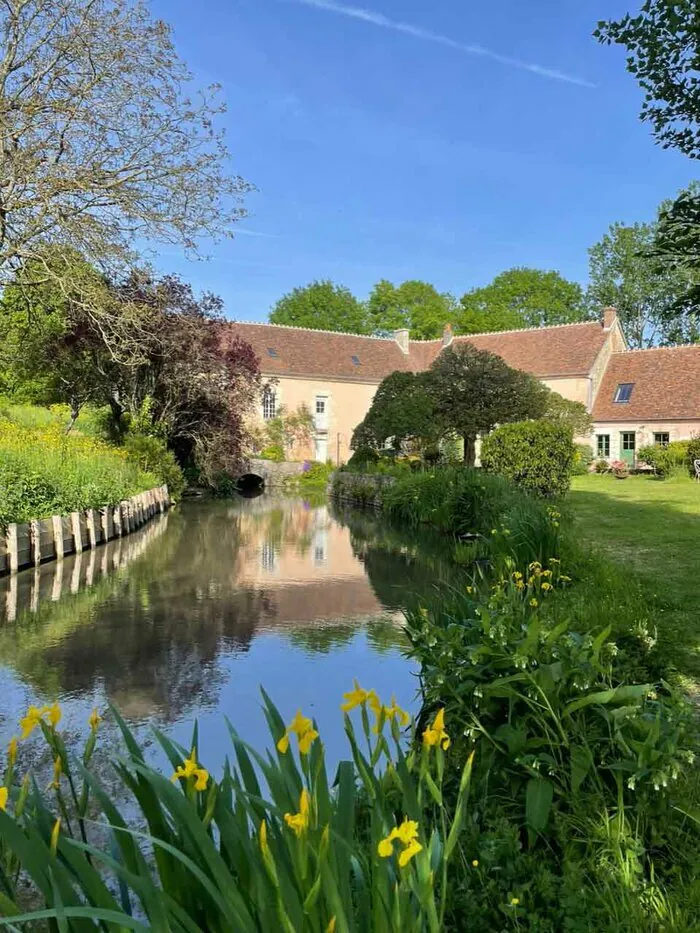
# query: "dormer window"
{"type": "Point", "coordinates": [623, 393]}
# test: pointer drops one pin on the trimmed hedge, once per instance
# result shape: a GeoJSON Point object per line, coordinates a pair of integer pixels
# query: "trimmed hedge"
{"type": "Point", "coordinates": [536, 456]}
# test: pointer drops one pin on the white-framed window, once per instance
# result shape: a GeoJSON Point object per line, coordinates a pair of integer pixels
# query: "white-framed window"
{"type": "Point", "coordinates": [662, 438]}
{"type": "Point", "coordinates": [320, 404]}
{"type": "Point", "coordinates": [603, 442]}
{"type": "Point", "coordinates": [269, 403]}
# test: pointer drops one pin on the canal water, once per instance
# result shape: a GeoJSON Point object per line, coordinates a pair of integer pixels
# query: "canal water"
{"type": "Point", "coordinates": [187, 618]}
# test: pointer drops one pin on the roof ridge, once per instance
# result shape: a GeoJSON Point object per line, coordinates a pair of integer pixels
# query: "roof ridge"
{"type": "Point", "coordinates": [520, 330]}
{"type": "Point", "coordinates": [673, 346]}
{"type": "Point", "coordinates": [313, 330]}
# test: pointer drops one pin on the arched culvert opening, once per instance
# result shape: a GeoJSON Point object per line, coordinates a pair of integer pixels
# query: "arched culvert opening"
{"type": "Point", "coordinates": [250, 483]}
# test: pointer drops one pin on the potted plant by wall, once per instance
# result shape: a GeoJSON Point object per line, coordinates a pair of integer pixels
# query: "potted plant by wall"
{"type": "Point", "coordinates": [620, 469]}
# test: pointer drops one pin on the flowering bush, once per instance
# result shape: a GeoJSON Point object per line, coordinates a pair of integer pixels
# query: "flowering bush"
{"type": "Point", "coordinates": [367, 851]}
{"type": "Point", "coordinates": [44, 472]}
{"type": "Point", "coordinates": [537, 456]}
{"type": "Point", "coordinates": [620, 469]}
{"type": "Point", "coordinates": [544, 704]}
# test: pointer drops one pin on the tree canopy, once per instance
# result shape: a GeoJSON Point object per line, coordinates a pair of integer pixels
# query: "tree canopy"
{"type": "Point", "coordinates": [662, 42]}
{"type": "Point", "coordinates": [321, 305]}
{"type": "Point", "coordinates": [521, 297]}
{"type": "Point", "coordinates": [474, 390]}
{"type": "Point", "coordinates": [414, 305]}
{"type": "Point", "coordinates": [402, 411]}
{"type": "Point", "coordinates": [198, 400]}
{"type": "Point", "coordinates": [645, 290]}
{"type": "Point", "coordinates": [465, 393]}
{"type": "Point", "coordinates": [663, 49]}
{"type": "Point", "coordinates": [103, 146]}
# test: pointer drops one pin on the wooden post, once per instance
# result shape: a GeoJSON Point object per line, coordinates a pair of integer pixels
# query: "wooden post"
{"type": "Point", "coordinates": [117, 521]}
{"type": "Point", "coordinates": [35, 539]}
{"type": "Point", "coordinates": [92, 527]}
{"type": "Point", "coordinates": [57, 523]}
{"type": "Point", "coordinates": [76, 532]}
{"type": "Point", "coordinates": [12, 548]}
{"type": "Point", "coordinates": [105, 524]}
{"type": "Point", "coordinates": [75, 576]}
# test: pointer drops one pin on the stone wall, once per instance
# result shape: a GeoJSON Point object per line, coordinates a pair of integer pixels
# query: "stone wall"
{"type": "Point", "coordinates": [274, 474]}
{"type": "Point", "coordinates": [51, 538]}
{"type": "Point", "coordinates": [361, 489]}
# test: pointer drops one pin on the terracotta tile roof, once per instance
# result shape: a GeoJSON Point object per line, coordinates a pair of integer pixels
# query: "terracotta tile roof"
{"type": "Point", "coordinates": [564, 350]}
{"type": "Point", "coordinates": [301, 352]}
{"type": "Point", "coordinates": [666, 385]}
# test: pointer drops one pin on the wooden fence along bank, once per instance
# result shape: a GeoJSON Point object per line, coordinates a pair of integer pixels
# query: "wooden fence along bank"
{"type": "Point", "coordinates": [32, 543]}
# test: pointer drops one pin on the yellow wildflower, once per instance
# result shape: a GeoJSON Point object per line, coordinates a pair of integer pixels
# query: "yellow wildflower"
{"type": "Point", "coordinates": [435, 734]}
{"type": "Point", "coordinates": [424, 613]}
{"type": "Point", "coordinates": [4, 794]}
{"type": "Point", "coordinates": [395, 711]}
{"type": "Point", "coordinates": [514, 901]}
{"type": "Point", "coordinates": [565, 578]}
{"type": "Point", "coordinates": [475, 863]}
{"type": "Point", "coordinates": [546, 573]}
{"type": "Point", "coordinates": [519, 585]}
{"type": "Point", "coordinates": [29, 722]}
{"type": "Point", "coordinates": [554, 560]}
{"type": "Point", "coordinates": [264, 847]}
{"type": "Point", "coordinates": [304, 730]}
{"type": "Point", "coordinates": [357, 696]}
{"type": "Point", "coordinates": [470, 589]}
{"type": "Point", "coordinates": [54, 836]}
{"type": "Point", "coordinates": [535, 566]}
{"type": "Point", "coordinates": [189, 768]}
{"type": "Point", "coordinates": [547, 586]}
{"type": "Point", "coordinates": [517, 575]}
{"type": "Point", "coordinates": [54, 713]}
{"type": "Point", "coordinates": [413, 848]}
{"type": "Point", "coordinates": [534, 603]}
{"type": "Point", "coordinates": [407, 835]}
{"type": "Point", "coordinates": [300, 821]}
{"type": "Point", "coordinates": [12, 751]}
{"type": "Point", "coordinates": [94, 720]}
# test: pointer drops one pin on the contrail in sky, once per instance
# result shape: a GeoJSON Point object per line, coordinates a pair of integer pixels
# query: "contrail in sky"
{"type": "Point", "coordinates": [378, 19]}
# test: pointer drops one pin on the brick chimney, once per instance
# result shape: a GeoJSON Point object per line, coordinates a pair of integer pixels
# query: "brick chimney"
{"type": "Point", "coordinates": [401, 337]}
{"type": "Point", "coordinates": [609, 317]}
{"type": "Point", "coordinates": [447, 335]}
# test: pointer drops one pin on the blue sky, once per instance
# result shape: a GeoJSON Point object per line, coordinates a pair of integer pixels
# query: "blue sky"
{"type": "Point", "coordinates": [399, 139]}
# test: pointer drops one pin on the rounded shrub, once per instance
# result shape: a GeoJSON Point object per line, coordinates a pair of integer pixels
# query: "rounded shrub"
{"type": "Point", "coordinates": [536, 456]}
{"type": "Point", "coordinates": [274, 452]}
{"type": "Point", "coordinates": [153, 456]}
{"type": "Point", "coordinates": [362, 458]}
{"type": "Point", "coordinates": [583, 458]}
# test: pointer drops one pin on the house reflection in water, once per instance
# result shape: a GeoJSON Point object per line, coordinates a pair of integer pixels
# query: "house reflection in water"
{"type": "Point", "coordinates": [304, 562]}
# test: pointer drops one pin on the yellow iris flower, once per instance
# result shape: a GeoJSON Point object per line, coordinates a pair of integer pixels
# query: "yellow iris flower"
{"type": "Point", "coordinates": [189, 768]}
{"type": "Point", "coordinates": [4, 794]}
{"type": "Point", "coordinates": [435, 734]}
{"type": "Point", "coordinates": [12, 751]}
{"type": "Point", "coordinates": [94, 720]}
{"type": "Point", "coordinates": [407, 835]}
{"type": "Point", "coordinates": [304, 730]}
{"type": "Point", "coordinates": [35, 714]}
{"type": "Point", "coordinates": [300, 821]}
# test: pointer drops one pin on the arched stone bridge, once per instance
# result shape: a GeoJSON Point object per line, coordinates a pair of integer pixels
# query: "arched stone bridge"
{"type": "Point", "coordinates": [268, 473]}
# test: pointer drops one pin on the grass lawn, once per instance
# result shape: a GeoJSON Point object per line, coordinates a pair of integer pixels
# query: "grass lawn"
{"type": "Point", "coordinates": [651, 528]}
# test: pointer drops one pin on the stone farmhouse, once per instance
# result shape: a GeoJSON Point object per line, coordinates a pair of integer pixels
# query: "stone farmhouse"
{"type": "Point", "coordinates": [636, 397]}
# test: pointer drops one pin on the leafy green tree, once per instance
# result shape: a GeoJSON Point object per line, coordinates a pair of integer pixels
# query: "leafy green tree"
{"type": "Point", "coordinates": [662, 43]}
{"type": "Point", "coordinates": [663, 49]}
{"type": "Point", "coordinates": [322, 305]}
{"type": "Point", "coordinates": [402, 410]}
{"type": "Point", "coordinates": [415, 305]}
{"type": "Point", "coordinates": [106, 143]}
{"type": "Point", "coordinates": [626, 274]}
{"type": "Point", "coordinates": [574, 415]}
{"type": "Point", "coordinates": [474, 390]}
{"type": "Point", "coordinates": [522, 297]}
